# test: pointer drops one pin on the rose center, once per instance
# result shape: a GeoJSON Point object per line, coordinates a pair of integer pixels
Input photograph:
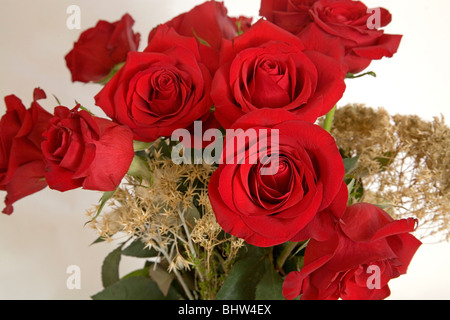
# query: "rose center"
{"type": "Point", "coordinates": [280, 180]}
{"type": "Point", "coordinates": [270, 67]}
{"type": "Point", "coordinates": [273, 189]}
{"type": "Point", "coordinates": [270, 84]}
{"type": "Point", "coordinates": [164, 83]}
{"type": "Point", "coordinates": [159, 92]}
{"type": "Point", "coordinates": [60, 141]}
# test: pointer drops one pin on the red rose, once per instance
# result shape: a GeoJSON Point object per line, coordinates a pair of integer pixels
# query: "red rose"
{"type": "Point", "coordinates": [271, 209]}
{"type": "Point", "coordinates": [209, 24]}
{"type": "Point", "coordinates": [160, 90]}
{"type": "Point", "coordinates": [101, 48]}
{"type": "Point", "coordinates": [291, 15]}
{"type": "Point", "coordinates": [81, 150]}
{"type": "Point", "coordinates": [348, 20]}
{"type": "Point", "coordinates": [267, 67]}
{"type": "Point", "coordinates": [21, 164]}
{"type": "Point", "coordinates": [367, 250]}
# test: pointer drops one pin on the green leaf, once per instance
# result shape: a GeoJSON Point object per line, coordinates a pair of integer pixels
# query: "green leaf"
{"type": "Point", "coordinates": [135, 288]}
{"type": "Point", "coordinates": [161, 277]}
{"type": "Point", "coordinates": [144, 272]}
{"type": "Point", "coordinates": [57, 100]}
{"type": "Point", "coordinates": [250, 251]}
{"type": "Point", "coordinates": [137, 249]}
{"type": "Point", "coordinates": [350, 187]}
{"type": "Point", "coordinates": [163, 146]}
{"type": "Point", "coordinates": [350, 164]}
{"type": "Point", "coordinates": [271, 285]}
{"type": "Point", "coordinates": [98, 240]}
{"type": "Point", "coordinates": [139, 168]}
{"type": "Point", "coordinates": [140, 145]}
{"type": "Point", "coordinates": [355, 188]}
{"type": "Point", "coordinates": [202, 41]}
{"type": "Point", "coordinates": [242, 281]}
{"type": "Point", "coordinates": [111, 74]}
{"type": "Point", "coordinates": [84, 109]}
{"type": "Point", "coordinates": [386, 160]}
{"type": "Point", "coordinates": [239, 27]}
{"type": "Point", "coordinates": [302, 246]}
{"type": "Point", "coordinates": [105, 197]}
{"type": "Point", "coordinates": [355, 76]}
{"type": "Point", "coordinates": [110, 268]}
{"type": "Point", "coordinates": [329, 118]}
{"type": "Point", "coordinates": [294, 263]}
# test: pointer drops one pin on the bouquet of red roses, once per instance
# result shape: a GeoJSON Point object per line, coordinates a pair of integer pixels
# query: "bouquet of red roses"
{"type": "Point", "coordinates": [221, 160]}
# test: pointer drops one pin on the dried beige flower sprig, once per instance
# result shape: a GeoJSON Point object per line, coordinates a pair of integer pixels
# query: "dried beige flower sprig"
{"type": "Point", "coordinates": [170, 212]}
{"type": "Point", "coordinates": [403, 164]}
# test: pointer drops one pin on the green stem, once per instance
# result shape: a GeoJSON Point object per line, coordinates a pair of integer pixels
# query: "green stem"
{"type": "Point", "coordinates": [329, 119]}
{"type": "Point", "coordinates": [175, 271]}
{"type": "Point", "coordinates": [287, 250]}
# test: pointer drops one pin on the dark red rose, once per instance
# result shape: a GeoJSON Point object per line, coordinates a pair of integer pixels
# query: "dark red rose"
{"type": "Point", "coordinates": [268, 67]}
{"type": "Point", "coordinates": [160, 90]}
{"type": "Point", "coordinates": [21, 163]}
{"type": "Point", "coordinates": [101, 48]}
{"type": "Point", "coordinates": [274, 207]}
{"type": "Point", "coordinates": [209, 24]}
{"type": "Point", "coordinates": [291, 15]}
{"type": "Point", "coordinates": [348, 20]}
{"type": "Point", "coordinates": [367, 250]}
{"type": "Point", "coordinates": [81, 150]}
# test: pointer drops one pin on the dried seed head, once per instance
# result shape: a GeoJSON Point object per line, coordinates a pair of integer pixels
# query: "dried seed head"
{"type": "Point", "coordinates": [404, 162]}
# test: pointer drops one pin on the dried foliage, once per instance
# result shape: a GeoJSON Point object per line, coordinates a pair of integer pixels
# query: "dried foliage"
{"type": "Point", "coordinates": [403, 164]}
{"type": "Point", "coordinates": [171, 213]}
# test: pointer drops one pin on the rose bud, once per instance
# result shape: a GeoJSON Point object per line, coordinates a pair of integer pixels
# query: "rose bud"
{"type": "Point", "coordinates": [101, 48]}
{"type": "Point", "coordinates": [81, 150]}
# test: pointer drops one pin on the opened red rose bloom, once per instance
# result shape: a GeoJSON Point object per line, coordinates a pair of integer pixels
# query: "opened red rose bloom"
{"type": "Point", "coordinates": [101, 48]}
{"type": "Point", "coordinates": [358, 28]}
{"type": "Point", "coordinates": [368, 249]}
{"type": "Point", "coordinates": [159, 90]}
{"type": "Point", "coordinates": [268, 67]}
{"type": "Point", "coordinates": [303, 176]}
{"type": "Point", "coordinates": [81, 150]}
{"type": "Point", "coordinates": [22, 171]}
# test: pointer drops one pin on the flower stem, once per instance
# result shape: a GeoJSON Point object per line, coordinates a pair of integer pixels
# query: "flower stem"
{"type": "Point", "coordinates": [177, 274]}
{"type": "Point", "coordinates": [189, 240]}
{"type": "Point", "coordinates": [329, 119]}
{"type": "Point", "coordinates": [287, 250]}
{"type": "Point", "coordinates": [183, 284]}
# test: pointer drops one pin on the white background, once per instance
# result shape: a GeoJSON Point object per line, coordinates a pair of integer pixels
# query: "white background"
{"type": "Point", "coordinates": [46, 233]}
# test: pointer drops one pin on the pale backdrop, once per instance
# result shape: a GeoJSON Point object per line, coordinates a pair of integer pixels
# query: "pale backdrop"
{"type": "Point", "coordinates": [45, 234]}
